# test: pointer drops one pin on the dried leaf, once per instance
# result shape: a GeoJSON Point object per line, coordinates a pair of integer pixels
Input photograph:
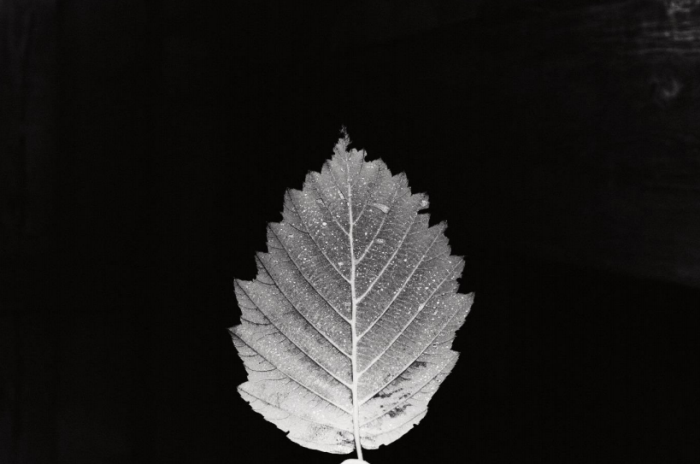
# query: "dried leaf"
{"type": "Point", "coordinates": [346, 332]}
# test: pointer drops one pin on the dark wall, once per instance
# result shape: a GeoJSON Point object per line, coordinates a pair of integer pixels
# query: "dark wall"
{"type": "Point", "coordinates": [146, 145]}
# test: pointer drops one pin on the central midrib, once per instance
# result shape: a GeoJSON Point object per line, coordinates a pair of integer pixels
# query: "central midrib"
{"type": "Point", "coordinates": [353, 325]}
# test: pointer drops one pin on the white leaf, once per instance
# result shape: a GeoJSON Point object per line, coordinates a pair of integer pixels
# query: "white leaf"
{"type": "Point", "coordinates": [346, 331]}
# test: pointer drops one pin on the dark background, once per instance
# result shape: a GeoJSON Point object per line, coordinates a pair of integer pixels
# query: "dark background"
{"type": "Point", "coordinates": [144, 147]}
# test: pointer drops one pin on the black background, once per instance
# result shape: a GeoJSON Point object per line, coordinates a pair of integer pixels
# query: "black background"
{"type": "Point", "coordinates": [556, 149]}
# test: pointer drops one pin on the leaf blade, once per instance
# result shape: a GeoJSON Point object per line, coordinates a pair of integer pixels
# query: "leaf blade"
{"type": "Point", "coordinates": [346, 331]}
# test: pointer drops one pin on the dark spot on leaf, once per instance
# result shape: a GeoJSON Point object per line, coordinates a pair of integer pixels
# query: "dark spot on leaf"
{"type": "Point", "coordinates": [419, 364]}
{"type": "Point", "coordinates": [398, 411]}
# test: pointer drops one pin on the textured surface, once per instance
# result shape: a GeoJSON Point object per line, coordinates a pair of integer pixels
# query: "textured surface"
{"type": "Point", "coordinates": [348, 325]}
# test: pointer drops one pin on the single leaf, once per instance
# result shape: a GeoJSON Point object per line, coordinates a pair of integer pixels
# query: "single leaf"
{"type": "Point", "coordinates": [346, 331]}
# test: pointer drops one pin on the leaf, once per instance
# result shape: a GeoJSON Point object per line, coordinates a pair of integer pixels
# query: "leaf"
{"type": "Point", "coordinates": [346, 331]}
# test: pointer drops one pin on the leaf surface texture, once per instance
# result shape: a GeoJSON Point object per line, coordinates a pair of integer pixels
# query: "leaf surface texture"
{"type": "Point", "coordinates": [347, 328]}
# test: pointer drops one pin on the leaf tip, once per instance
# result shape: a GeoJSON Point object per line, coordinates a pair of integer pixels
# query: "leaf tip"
{"type": "Point", "coordinates": [343, 142]}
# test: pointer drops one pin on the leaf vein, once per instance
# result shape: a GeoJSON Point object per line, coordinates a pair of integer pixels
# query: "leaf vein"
{"type": "Point", "coordinates": [302, 315]}
{"type": "Point", "coordinates": [307, 279]}
{"type": "Point", "coordinates": [388, 263]}
{"type": "Point", "coordinates": [418, 356]}
{"type": "Point", "coordinates": [315, 242]}
{"type": "Point", "coordinates": [367, 198]}
{"type": "Point", "coordinates": [381, 226]}
{"type": "Point", "coordinates": [331, 402]}
{"type": "Point", "coordinates": [425, 303]}
{"type": "Point", "coordinates": [326, 206]}
{"type": "Point", "coordinates": [398, 292]}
